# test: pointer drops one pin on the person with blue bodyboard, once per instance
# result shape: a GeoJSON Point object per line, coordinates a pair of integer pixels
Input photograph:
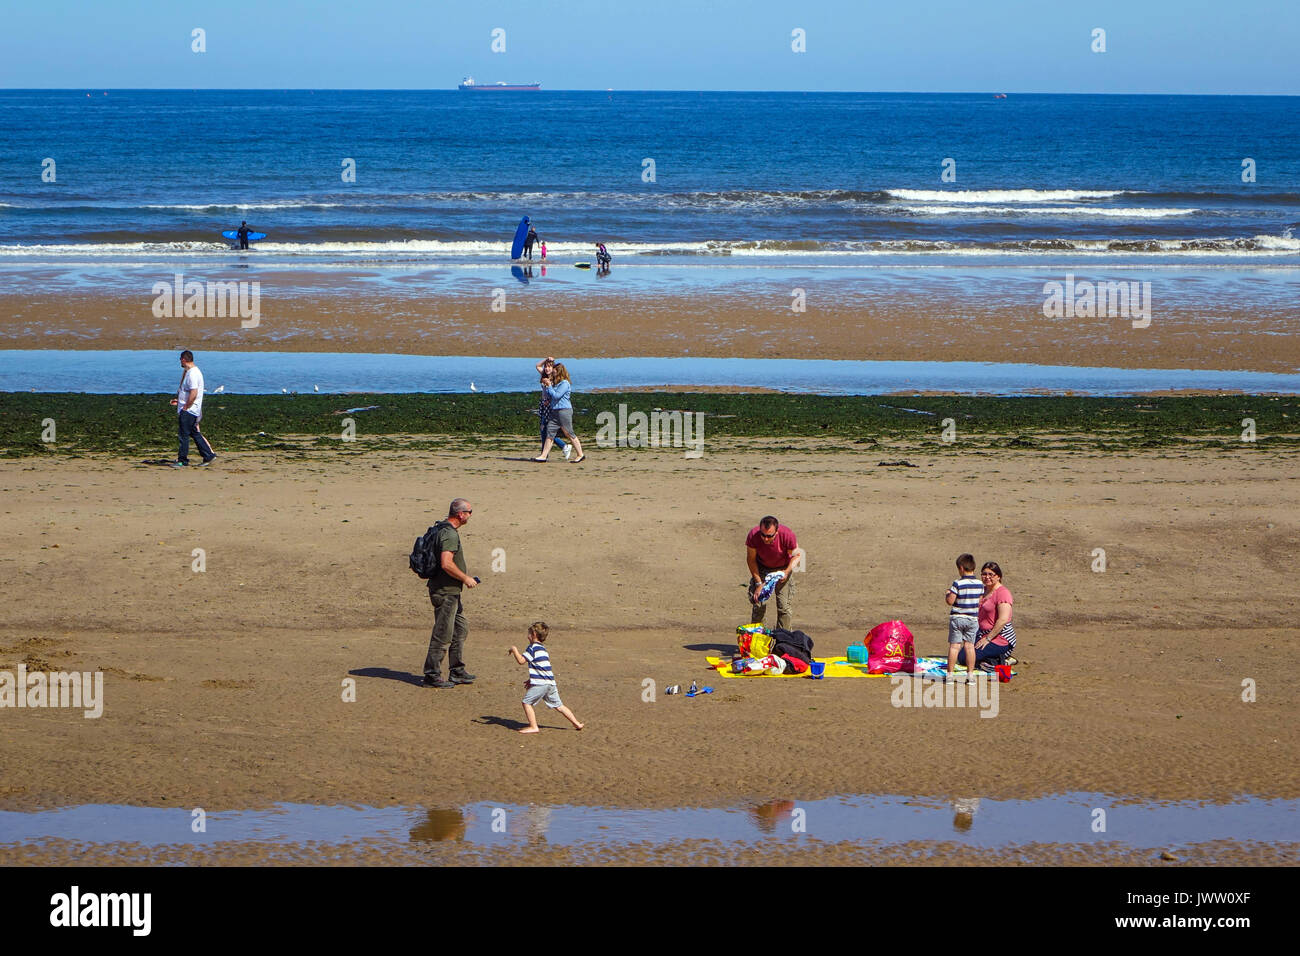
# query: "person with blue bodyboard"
{"type": "Point", "coordinates": [529, 241]}
{"type": "Point", "coordinates": [242, 233]}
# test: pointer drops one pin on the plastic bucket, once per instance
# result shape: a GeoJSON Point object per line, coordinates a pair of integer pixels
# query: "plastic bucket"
{"type": "Point", "coordinates": [817, 670]}
{"type": "Point", "coordinates": [1004, 673]}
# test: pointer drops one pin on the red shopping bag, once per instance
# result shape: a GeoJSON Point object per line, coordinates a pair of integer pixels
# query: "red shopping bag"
{"type": "Point", "coordinates": [890, 649]}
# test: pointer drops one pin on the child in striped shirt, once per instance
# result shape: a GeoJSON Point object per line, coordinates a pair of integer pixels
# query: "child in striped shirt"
{"type": "Point", "coordinates": [541, 679]}
{"type": "Point", "coordinates": [963, 620]}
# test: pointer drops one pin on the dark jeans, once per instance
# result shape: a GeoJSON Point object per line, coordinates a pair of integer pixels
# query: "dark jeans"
{"type": "Point", "coordinates": [188, 426]}
{"type": "Point", "coordinates": [989, 651]}
{"type": "Point", "coordinates": [449, 632]}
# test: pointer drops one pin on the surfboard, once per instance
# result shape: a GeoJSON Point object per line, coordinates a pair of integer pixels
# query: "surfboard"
{"type": "Point", "coordinates": [583, 265]}
{"type": "Point", "coordinates": [517, 247]}
{"type": "Point", "coordinates": [233, 235]}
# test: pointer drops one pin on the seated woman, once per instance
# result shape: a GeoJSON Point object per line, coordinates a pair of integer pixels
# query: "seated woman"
{"type": "Point", "coordinates": [996, 636]}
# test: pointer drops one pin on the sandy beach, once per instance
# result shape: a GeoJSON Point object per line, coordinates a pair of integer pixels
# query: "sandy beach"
{"type": "Point", "coordinates": [841, 322]}
{"type": "Point", "coordinates": [223, 688]}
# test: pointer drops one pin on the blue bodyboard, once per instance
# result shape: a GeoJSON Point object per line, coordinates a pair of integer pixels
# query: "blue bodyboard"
{"type": "Point", "coordinates": [517, 247]}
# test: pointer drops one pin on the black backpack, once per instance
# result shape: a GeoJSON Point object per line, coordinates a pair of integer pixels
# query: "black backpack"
{"type": "Point", "coordinates": [426, 558]}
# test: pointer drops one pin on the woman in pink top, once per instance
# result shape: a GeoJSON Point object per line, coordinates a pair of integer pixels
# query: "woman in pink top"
{"type": "Point", "coordinates": [996, 635]}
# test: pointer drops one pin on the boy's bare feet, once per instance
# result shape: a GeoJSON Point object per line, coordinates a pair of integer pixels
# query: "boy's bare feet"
{"type": "Point", "coordinates": [529, 730]}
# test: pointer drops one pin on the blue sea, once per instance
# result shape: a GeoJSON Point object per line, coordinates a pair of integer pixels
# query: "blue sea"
{"type": "Point", "coordinates": [394, 202]}
{"type": "Point", "coordinates": [662, 177]}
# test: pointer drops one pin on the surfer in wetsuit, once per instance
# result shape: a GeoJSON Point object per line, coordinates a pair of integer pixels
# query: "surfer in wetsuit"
{"type": "Point", "coordinates": [242, 233]}
{"type": "Point", "coordinates": [528, 242]}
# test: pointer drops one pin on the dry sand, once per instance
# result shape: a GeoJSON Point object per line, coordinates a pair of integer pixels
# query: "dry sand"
{"type": "Point", "coordinates": [223, 688]}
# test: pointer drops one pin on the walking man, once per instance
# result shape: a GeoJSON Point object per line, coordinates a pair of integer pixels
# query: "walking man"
{"type": "Point", "coordinates": [449, 625]}
{"type": "Point", "coordinates": [771, 546]}
{"type": "Point", "coordinates": [189, 409]}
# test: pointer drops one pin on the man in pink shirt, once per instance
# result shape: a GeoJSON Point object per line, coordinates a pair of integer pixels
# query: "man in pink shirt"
{"type": "Point", "coordinates": [771, 546]}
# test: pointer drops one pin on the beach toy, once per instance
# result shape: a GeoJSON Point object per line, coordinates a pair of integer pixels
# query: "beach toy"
{"type": "Point", "coordinates": [818, 670]}
{"type": "Point", "coordinates": [1004, 673]}
{"type": "Point", "coordinates": [856, 653]}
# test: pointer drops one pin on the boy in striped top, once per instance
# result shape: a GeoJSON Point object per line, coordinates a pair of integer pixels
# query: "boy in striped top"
{"type": "Point", "coordinates": [541, 679]}
{"type": "Point", "coordinates": [963, 620]}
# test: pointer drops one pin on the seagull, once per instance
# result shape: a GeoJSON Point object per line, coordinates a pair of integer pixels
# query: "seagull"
{"type": "Point", "coordinates": [317, 387]}
{"type": "Point", "coordinates": [472, 388]}
{"type": "Point", "coordinates": [284, 391]}
{"type": "Point", "coordinates": [218, 390]}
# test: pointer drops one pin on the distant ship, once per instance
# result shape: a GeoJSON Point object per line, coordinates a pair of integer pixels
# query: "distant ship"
{"type": "Point", "coordinates": [469, 84]}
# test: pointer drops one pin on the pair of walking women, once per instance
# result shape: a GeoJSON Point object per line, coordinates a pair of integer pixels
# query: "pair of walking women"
{"type": "Point", "coordinates": [556, 410]}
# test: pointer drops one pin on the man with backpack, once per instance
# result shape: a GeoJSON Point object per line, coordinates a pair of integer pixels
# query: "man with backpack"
{"type": "Point", "coordinates": [439, 557]}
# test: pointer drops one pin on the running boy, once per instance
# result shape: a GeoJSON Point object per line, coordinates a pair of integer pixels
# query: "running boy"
{"type": "Point", "coordinates": [541, 679]}
{"type": "Point", "coordinates": [963, 620]}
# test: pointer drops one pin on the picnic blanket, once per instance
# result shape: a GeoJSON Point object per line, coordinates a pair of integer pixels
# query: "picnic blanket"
{"type": "Point", "coordinates": [840, 667]}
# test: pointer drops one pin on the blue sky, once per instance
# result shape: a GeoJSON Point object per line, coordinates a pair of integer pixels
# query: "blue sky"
{"type": "Point", "coordinates": [1153, 46]}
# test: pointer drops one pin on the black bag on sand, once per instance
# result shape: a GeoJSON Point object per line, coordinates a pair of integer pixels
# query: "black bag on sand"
{"type": "Point", "coordinates": [793, 640]}
{"type": "Point", "coordinates": [425, 556]}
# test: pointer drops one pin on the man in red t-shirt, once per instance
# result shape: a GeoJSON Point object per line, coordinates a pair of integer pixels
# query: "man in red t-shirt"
{"type": "Point", "coordinates": [771, 546]}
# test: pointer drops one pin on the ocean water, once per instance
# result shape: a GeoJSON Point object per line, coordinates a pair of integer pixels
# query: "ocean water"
{"type": "Point", "coordinates": [143, 371]}
{"type": "Point", "coordinates": [444, 176]}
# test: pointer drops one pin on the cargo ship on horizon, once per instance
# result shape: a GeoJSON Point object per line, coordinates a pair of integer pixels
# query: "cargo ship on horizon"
{"type": "Point", "coordinates": [469, 84]}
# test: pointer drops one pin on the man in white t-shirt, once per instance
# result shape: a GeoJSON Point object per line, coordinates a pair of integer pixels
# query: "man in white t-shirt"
{"type": "Point", "coordinates": [189, 405]}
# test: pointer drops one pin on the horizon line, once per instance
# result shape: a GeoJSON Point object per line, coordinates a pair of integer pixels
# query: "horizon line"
{"type": "Point", "coordinates": [443, 89]}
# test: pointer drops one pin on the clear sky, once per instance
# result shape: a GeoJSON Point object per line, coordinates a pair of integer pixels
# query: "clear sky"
{"type": "Point", "coordinates": [1152, 46]}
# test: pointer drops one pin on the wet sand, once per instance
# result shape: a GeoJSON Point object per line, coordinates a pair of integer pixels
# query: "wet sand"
{"type": "Point", "coordinates": [224, 688]}
{"type": "Point", "coordinates": [892, 325]}
{"type": "Point", "coordinates": [772, 850]}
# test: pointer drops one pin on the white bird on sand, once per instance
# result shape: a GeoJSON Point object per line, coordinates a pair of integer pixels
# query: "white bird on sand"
{"type": "Point", "coordinates": [472, 388]}
{"type": "Point", "coordinates": [218, 390]}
